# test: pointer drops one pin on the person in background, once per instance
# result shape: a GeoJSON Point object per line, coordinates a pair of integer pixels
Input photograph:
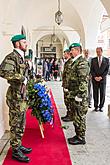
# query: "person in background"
{"type": "Point", "coordinates": [99, 70]}
{"type": "Point", "coordinates": [88, 58]}
{"type": "Point", "coordinates": [61, 67]}
{"type": "Point", "coordinates": [67, 69]}
{"type": "Point", "coordinates": [51, 69]}
{"type": "Point", "coordinates": [13, 70]}
{"type": "Point", "coordinates": [43, 68]}
{"type": "Point", "coordinates": [47, 70]}
{"type": "Point", "coordinates": [78, 93]}
{"type": "Point", "coordinates": [55, 70]}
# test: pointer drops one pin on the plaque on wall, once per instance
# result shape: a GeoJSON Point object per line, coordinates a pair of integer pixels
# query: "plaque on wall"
{"type": "Point", "coordinates": [48, 49]}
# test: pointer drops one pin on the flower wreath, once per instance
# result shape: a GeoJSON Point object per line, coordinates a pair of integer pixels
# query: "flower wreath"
{"type": "Point", "coordinates": [40, 102]}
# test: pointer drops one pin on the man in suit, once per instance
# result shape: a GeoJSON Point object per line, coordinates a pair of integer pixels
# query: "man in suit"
{"type": "Point", "coordinates": [99, 70]}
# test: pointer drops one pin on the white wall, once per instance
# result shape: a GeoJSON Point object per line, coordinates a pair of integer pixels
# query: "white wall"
{"type": "Point", "coordinates": [5, 47]}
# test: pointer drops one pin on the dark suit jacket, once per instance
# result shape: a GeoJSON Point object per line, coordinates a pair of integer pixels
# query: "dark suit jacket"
{"type": "Point", "coordinates": [97, 71]}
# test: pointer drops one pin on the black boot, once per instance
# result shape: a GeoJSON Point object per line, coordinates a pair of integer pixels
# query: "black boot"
{"type": "Point", "coordinates": [67, 118]}
{"type": "Point", "coordinates": [19, 156]}
{"type": "Point", "coordinates": [76, 141]}
{"type": "Point", "coordinates": [25, 150]}
{"type": "Point", "coordinates": [72, 138]}
{"type": "Point", "coordinates": [63, 117]}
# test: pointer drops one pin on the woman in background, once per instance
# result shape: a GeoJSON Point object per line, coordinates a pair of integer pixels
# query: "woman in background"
{"type": "Point", "coordinates": [55, 70]}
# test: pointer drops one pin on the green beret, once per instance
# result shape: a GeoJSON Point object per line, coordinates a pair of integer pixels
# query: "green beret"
{"type": "Point", "coordinates": [74, 45]}
{"type": "Point", "coordinates": [66, 50]}
{"type": "Point", "coordinates": [18, 37]}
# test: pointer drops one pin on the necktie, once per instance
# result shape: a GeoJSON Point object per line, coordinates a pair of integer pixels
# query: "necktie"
{"type": "Point", "coordinates": [100, 62]}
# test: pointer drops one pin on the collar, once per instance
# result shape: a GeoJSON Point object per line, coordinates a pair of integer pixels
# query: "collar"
{"type": "Point", "coordinates": [20, 52]}
{"type": "Point", "coordinates": [67, 59]}
{"type": "Point", "coordinates": [87, 58]}
{"type": "Point", "coordinates": [100, 58]}
{"type": "Point", "coordinates": [75, 58]}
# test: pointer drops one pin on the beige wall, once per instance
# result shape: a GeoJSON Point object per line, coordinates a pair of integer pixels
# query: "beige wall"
{"type": "Point", "coordinates": [5, 47]}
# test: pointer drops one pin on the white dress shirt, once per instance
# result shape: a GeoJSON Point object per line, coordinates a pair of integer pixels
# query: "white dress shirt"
{"type": "Point", "coordinates": [20, 52]}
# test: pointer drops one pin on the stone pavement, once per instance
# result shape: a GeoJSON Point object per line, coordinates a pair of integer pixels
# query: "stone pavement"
{"type": "Point", "coordinates": [97, 149]}
{"type": "Point", "coordinates": [4, 146]}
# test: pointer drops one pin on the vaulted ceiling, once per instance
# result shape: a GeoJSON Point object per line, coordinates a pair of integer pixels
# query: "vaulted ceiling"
{"type": "Point", "coordinates": [81, 18]}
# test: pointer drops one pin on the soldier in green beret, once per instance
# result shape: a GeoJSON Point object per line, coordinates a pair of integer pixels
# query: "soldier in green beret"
{"type": "Point", "coordinates": [78, 86]}
{"type": "Point", "coordinates": [13, 70]}
{"type": "Point", "coordinates": [67, 68]}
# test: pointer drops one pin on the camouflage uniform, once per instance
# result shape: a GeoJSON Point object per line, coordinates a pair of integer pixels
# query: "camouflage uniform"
{"type": "Point", "coordinates": [77, 86]}
{"type": "Point", "coordinates": [12, 69]}
{"type": "Point", "coordinates": [66, 71]}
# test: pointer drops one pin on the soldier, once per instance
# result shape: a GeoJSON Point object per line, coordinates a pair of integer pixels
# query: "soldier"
{"type": "Point", "coordinates": [77, 86]}
{"type": "Point", "coordinates": [67, 68]}
{"type": "Point", "coordinates": [12, 68]}
{"type": "Point", "coordinates": [88, 58]}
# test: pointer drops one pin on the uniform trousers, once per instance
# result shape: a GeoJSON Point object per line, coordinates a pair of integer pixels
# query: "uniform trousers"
{"type": "Point", "coordinates": [17, 118]}
{"type": "Point", "coordinates": [67, 102]}
{"type": "Point", "coordinates": [78, 111]}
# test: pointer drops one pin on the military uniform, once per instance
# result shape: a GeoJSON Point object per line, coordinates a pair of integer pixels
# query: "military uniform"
{"type": "Point", "coordinates": [77, 86]}
{"type": "Point", "coordinates": [12, 68]}
{"type": "Point", "coordinates": [66, 71]}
